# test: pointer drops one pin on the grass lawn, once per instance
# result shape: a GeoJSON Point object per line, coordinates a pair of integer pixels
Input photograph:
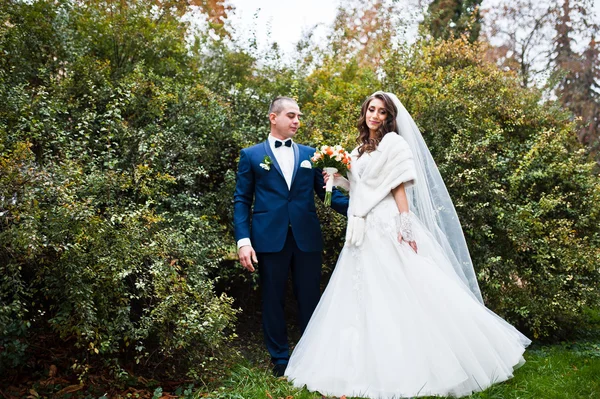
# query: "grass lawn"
{"type": "Point", "coordinates": [563, 371]}
{"type": "Point", "coordinates": [568, 371]}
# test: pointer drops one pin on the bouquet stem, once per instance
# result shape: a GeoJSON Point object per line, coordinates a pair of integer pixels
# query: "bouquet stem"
{"type": "Point", "coordinates": [329, 186]}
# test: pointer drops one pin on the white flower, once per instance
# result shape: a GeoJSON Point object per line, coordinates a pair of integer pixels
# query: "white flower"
{"type": "Point", "coordinates": [264, 166]}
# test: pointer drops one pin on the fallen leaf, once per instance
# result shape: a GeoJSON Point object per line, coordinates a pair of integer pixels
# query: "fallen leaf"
{"type": "Point", "coordinates": [69, 389]}
{"type": "Point", "coordinates": [268, 395]}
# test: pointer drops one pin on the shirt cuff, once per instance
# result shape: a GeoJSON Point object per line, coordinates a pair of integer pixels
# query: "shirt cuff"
{"type": "Point", "coordinates": [243, 242]}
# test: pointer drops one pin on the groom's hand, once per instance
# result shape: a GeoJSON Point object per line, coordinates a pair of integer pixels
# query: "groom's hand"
{"type": "Point", "coordinates": [247, 257]}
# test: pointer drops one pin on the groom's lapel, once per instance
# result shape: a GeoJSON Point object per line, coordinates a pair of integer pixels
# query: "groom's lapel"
{"type": "Point", "coordinates": [273, 159]}
{"type": "Point", "coordinates": [296, 161]}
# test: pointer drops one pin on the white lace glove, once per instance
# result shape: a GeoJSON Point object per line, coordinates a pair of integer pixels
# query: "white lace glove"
{"type": "Point", "coordinates": [404, 226]}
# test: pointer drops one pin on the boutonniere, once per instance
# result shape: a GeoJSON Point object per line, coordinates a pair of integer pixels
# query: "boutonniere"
{"type": "Point", "coordinates": [266, 163]}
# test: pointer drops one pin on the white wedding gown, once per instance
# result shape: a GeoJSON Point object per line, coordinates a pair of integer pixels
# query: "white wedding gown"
{"type": "Point", "coordinates": [396, 324]}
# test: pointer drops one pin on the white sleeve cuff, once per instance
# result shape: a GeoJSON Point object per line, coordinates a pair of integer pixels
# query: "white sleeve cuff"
{"type": "Point", "coordinates": [243, 242]}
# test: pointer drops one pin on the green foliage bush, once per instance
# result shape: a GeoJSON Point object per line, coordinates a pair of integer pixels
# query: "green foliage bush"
{"type": "Point", "coordinates": [526, 194]}
{"type": "Point", "coordinates": [118, 151]}
{"type": "Point", "coordinates": [109, 168]}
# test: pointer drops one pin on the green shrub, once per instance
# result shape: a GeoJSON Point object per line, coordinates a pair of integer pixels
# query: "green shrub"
{"type": "Point", "coordinates": [108, 177]}
{"type": "Point", "coordinates": [526, 194]}
{"type": "Point", "coordinates": [118, 151]}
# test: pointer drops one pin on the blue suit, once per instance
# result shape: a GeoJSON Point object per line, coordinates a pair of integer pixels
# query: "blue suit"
{"type": "Point", "coordinates": [285, 232]}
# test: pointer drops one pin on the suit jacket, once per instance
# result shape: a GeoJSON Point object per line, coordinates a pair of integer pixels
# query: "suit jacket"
{"type": "Point", "coordinates": [275, 206]}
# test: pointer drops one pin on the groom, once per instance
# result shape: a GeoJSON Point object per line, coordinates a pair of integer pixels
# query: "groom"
{"type": "Point", "coordinates": [281, 231]}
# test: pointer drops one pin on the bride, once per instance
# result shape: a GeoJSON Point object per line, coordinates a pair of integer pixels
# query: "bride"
{"type": "Point", "coordinates": [402, 315]}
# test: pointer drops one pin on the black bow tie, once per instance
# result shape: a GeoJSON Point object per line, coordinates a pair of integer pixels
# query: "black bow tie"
{"type": "Point", "coordinates": [279, 143]}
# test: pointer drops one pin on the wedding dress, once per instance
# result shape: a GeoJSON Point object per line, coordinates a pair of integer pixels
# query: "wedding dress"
{"type": "Point", "coordinates": [393, 323]}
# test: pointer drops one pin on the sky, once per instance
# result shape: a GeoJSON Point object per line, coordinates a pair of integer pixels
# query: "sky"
{"type": "Point", "coordinates": [287, 19]}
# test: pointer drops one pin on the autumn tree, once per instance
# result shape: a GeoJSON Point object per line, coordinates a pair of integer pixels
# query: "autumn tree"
{"type": "Point", "coordinates": [524, 50]}
{"type": "Point", "coordinates": [576, 73]}
{"type": "Point", "coordinates": [364, 30]}
{"type": "Point", "coordinates": [448, 18]}
{"type": "Point", "coordinates": [565, 60]}
{"type": "Point", "coordinates": [590, 108]}
{"type": "Point", "coordinates": [546, 51]}
{"type": "Point", "coordinates": [215, 11]}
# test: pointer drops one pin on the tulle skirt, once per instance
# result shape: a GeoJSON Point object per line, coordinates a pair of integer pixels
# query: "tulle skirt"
{"type": "Point", "coordinates": [395, 324]}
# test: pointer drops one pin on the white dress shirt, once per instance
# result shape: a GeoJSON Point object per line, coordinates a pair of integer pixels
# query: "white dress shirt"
{"type": "Point", "coordinates": [285, 158]}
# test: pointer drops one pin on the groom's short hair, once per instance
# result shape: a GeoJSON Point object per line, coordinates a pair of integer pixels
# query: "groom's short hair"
{"type": "Point", "coordinates": [278, 104]}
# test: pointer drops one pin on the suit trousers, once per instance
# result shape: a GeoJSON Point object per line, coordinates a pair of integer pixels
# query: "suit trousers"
{"type": "Point", "coordinates": [273, 269]}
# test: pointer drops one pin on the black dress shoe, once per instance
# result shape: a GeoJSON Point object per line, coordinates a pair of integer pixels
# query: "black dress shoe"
{"type": "Point", "coordinates": [279, 370]}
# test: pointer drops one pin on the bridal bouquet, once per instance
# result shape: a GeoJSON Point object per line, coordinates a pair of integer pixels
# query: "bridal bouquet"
{"type": "Point", "coordinates": [332, 160]}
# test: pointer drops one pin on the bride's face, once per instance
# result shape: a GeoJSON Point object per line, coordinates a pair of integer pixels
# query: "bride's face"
{"type": "Point", "coordinates": [376, 115]}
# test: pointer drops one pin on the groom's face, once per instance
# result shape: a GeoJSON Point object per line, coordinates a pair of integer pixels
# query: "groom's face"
{"type": "Point", "coordinates": [285, 124]}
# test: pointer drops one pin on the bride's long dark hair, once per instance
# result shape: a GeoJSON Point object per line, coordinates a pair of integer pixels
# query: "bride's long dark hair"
{"type": "Point", "coordinates": [364, 140]}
